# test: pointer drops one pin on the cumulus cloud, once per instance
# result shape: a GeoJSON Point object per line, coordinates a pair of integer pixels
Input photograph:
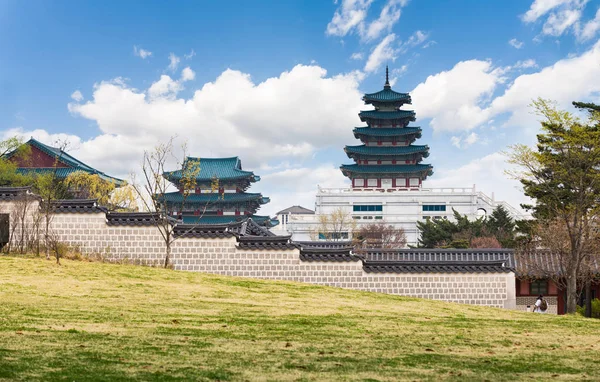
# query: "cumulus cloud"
{"type": "Point", "coordinates": [454, 99]}
{"type": "Point", "coordinates": [142, 53]}
{"type": "Point", "coordinates": [173, 62]}
{"type": "Point", "coordinates": [384, 51]}
{"type": "Point", "coordinates": [515, 43]}
{"type": "Point", "coordinates": [77, 96]}
{"type": "Point", "coordinates": [461, 98]}
{"type": "Point", "coordinates": [232, 115]}
{"type": "Point", "coordinates": [464, 142]}
{"type": "Point", "coordinates": [188, 74]}
{"type": "Point", "coordinates": [487, 173]}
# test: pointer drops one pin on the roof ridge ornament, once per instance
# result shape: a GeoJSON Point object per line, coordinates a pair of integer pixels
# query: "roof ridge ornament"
{"type": "Point", "coordinates": [387, 79]}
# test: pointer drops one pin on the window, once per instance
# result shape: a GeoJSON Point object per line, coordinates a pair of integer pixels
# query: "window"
{"type": "Point", "coordinates": [414, 182]}
{"type": "Point", "coordinates": [434, 208]}
{"type": "Point", "coordinates": [333, 235]}
{"type": "Point", "coordinates": [359, 208]}
{"type": "Point", "coordinates": [537, 287]}
{"type": "Point", "coordinates": [400, 182]}
{"type": "Point", "coordinates": [359, 182]}
{"type": "Point", "coordinates": [372, 183]}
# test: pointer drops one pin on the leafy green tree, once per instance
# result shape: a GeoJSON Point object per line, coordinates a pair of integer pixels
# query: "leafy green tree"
{"type": "Point", "coordinates": [501, 226]}
{"type": "Point", "coordinates": [563, 177]}
{"type": "Point", "coordinates": [9, 176]}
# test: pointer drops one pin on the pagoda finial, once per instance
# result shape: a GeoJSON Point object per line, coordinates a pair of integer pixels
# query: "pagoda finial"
{"type": "Point", "coordinates": [387, 78]}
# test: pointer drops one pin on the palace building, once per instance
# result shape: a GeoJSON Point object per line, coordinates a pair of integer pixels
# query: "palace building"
{"type": "Point", "coordinates": [388, 178]}
{"type": "Point", "coordinates": [219, 195]}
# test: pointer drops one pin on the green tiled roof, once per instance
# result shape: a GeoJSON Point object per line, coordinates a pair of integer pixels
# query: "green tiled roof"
{"type": "Point", "coordinates": [212, 219]}
{"type": "Point", "coordinates": [212, 198]}
{"type": "Point", "coordinates": [376, 114]}
{"type": "Point", "coordinates": [63, 157]}
{"type": "Point", "coordinates": [220, 168]}
{"type": "Point", "coordinates": [387, 95]}
{"type": "Point", "coordinates": [386, 169]}
{"type": "Point", "coordinates": [386, 132]}
{"type": "Point", "coordinates": [386, 150]}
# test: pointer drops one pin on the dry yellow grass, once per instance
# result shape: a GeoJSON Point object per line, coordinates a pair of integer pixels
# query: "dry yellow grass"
{"type": "Point", "coordinates": [91, 321]}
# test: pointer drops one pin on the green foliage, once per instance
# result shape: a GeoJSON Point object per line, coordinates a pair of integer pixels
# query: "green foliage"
{"type": "Point", "coordinates": [9, 176]}
{"type": "Point", "coordinates": [460, 232]}
{"type": "Point", "coordinates": [595, 309]}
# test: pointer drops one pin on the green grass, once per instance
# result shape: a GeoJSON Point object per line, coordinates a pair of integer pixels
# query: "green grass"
{"type": "Point", "coordinates": [100, 322]}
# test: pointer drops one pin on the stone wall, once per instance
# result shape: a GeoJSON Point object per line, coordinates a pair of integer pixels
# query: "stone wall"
{"type": "Point", "coordinates": [91, 233]}
{"type": "Point", "coordinates": [524, 301]}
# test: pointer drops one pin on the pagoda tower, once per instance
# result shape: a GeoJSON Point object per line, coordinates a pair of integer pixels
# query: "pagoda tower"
{"type": "Point", "coordinates": [219, 195]}
{"type": "Point", "coordinates": [387, 159]}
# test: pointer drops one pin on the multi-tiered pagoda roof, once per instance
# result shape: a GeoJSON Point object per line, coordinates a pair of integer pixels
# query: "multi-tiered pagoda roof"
{"type": "Point", "coordinates": [387, 158]}
{"type": "Point", "coordinates": [219, 195]}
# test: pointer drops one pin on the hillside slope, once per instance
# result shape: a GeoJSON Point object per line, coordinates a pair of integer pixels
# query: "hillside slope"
{"type": "Point", "coordinates": [91, 321]}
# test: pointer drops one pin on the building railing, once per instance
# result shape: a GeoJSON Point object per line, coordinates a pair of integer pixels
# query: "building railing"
{"type": "Point", "coordinates": [453, 190]}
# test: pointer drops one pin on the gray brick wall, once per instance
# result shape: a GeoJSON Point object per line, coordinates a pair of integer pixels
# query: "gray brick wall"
{"type": "Point", "coordinates": [90, 233]}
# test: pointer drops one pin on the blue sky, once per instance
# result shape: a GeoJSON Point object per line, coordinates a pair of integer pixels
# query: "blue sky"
{"type": "Point", "coordinates": [279, 83]}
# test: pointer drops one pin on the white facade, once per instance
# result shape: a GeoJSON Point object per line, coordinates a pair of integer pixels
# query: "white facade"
{"type": "Point", "coordinates": [402, 208]}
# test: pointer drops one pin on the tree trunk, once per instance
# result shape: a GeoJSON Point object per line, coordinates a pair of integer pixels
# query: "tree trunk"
{"type": "Point", "coordinates": [572, 292]}
{"type": "Point", "coordinates": [168, 255]}
{"type": "Point", "coordinates": [588, 298]}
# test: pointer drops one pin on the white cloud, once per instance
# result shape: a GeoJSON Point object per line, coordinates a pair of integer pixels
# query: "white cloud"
{"type": "Point", "coordinates": [557, 23]}
{"type": "Point", "coordinates": [487, 173]}
{"type": "Point", "coordinates": [561, 15]}
{"type": "Point", "coordinates": [357, 56]}
{"type": "Point", "coordinates": [464, 142]}
{"type": "Point", "coordinates": [460, 99]}
{"type": "Point", "coordinates": [350, 15]}
{"type": "Point", "coordinates": [229, 116]}
{"type": "Point", "coordinates": [397, 73]}
{"type": "Point", "coordinates": [590, 28]}
{"type": "Point", "coordinates": [390, 14]}
{"type": "Point", "coordinates": [541, 7]}
{"type": "Point", "coordinates": [173, 62]}
{"type": "Point", "coordinates": [187, 74]}
{"type": "Point", "coordinates": [429, 44]}
{"type": "Point", "coordinates": [415, 39]}
{"type": "Point", "coordinates": [189, 55]}
{"type": "Point", "coordinates": [515, 43]}
{"type": "Point", "coordinates": [455, 141]}
{"type": "Point", "coordinates": [529, 63]}
{"type": "Point", "coordinates": [384, 51]}
{"type": "Point", "coordinates": [142, 53]}
{"type": "Point", "coordinates": [454, 99]}
{"type": "Point", "coordinates": [77, 96]}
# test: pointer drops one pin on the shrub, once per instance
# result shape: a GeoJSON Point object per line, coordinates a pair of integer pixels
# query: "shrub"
{"type": "Point", "coordinates": [595, 309]}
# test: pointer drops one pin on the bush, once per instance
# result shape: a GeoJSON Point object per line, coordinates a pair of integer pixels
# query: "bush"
{"type": "Point", "coordinates": [595, 309]}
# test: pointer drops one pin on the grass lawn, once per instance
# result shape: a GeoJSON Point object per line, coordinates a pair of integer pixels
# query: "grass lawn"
{"type": "Point", "coordinates": [100, 322]}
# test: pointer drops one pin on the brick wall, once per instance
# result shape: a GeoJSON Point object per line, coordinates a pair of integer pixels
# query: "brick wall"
{"type": "Point", "coordinates": [524, 301]}
{"type": "Point", "coordinates": [92, 235]}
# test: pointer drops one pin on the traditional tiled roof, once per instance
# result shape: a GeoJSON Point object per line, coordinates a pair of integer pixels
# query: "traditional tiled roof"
{"type": "Point", "coordinates": [132, 218]}
{"type": "Point", "coordinates": [74, 164]}
{"type": "Point", "coordinates": [226, 219]}
{"type": "Point", "coordinates": [387, 150]}
{"type": "Point", "coordinates": [69, 206]}
{"type": "Point", "coordinates": [266, 243]}
{"type": "Point", "coordinates": [329, 255]}
{"type": "Point", "coordinates": [296, 210]}
{"type": "Point", "coordinates": [387, 95]}
{"type": "Point", "coordinates": [346, 244]}
{"type": "Point", "coordinates": [386, 169]}
{"type": "Point", "coordinates": [438, 260]}
{"type": "Point", "coordinates": [376, 114]}
{"type": "Point", "coordinates": [223, 169]}
{"type": "Point", "coordinates": [215, 198]}
{"type": "Point", "coordinates": [435, 267]}
{"type": "Point", "coordinates": [11, 193]}
{"type": "Point", "coordinates": [212, 231]}
{"type": "Point", "coordinates": [542, 263]}
{"type": "Point", "coordinates": [386, 131]}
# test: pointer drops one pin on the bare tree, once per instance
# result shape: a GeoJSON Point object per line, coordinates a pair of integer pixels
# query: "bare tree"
{"type": "Point", "coordinates": [155, 186]}
{"type": "Point", "coordinates": [21, 221]}
{"type": "Point", "coordinates": [338, 225]}
{"type": "Point", "coordinates": [380, 235]}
